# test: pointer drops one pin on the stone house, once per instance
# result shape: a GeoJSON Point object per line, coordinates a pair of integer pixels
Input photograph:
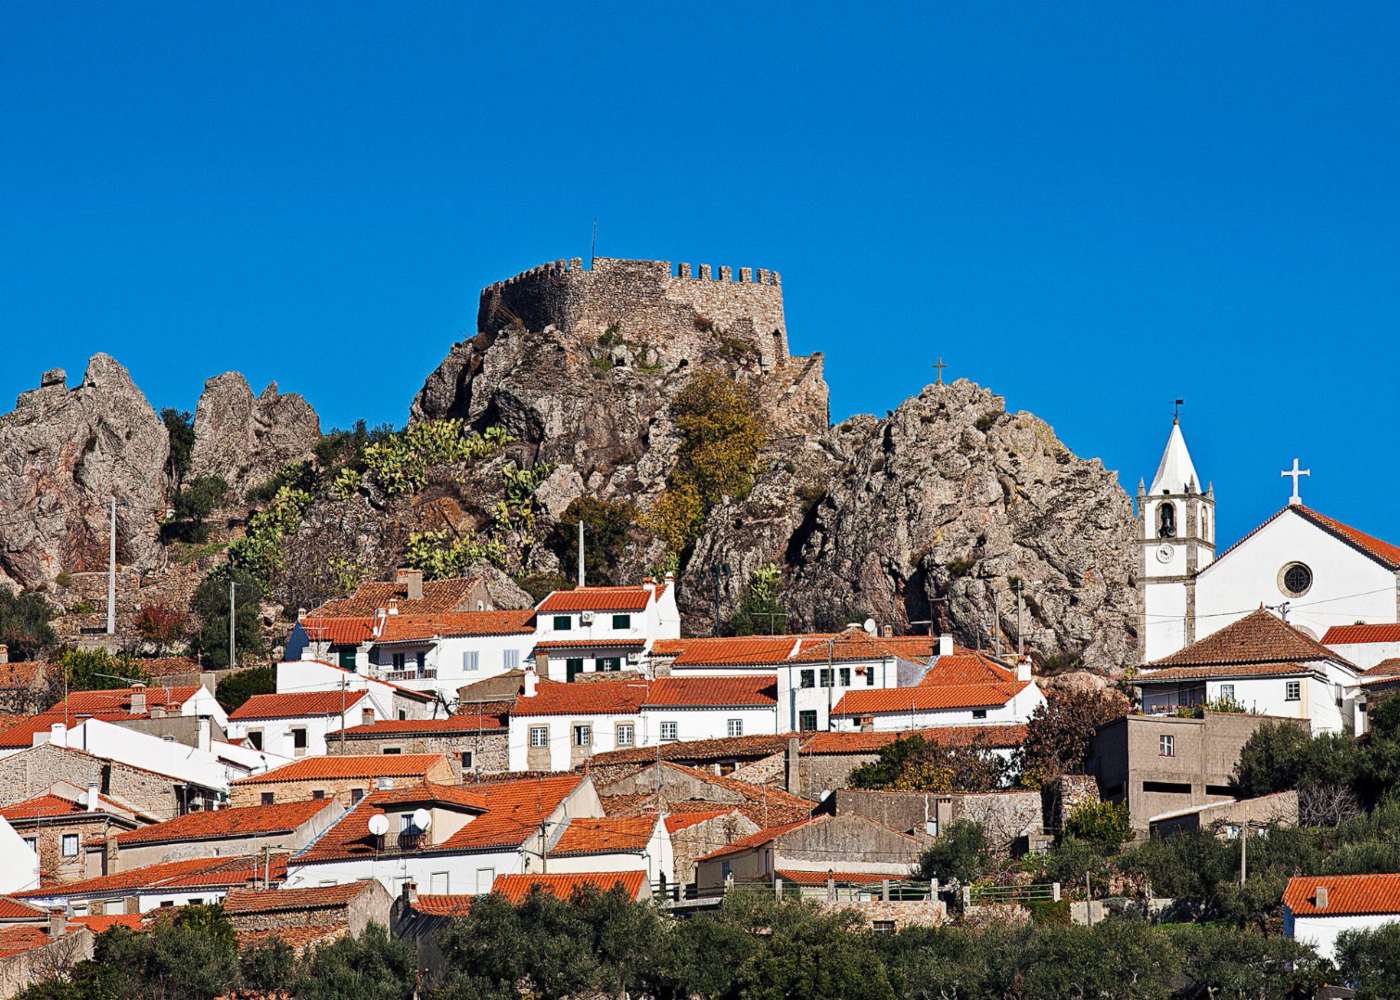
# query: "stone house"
{"type": "Point", "coordinates": [313, 915]}
{"type": "Point", "coordinates": [68, 827]}
{"type": "Point", "coordinates": [670, 787]}
{"type": "Point", "coordinates": [346, 777]}
{"type": "Point", "coordinates": [30, 772]}
{"type": "Point", "coordinates": [1009, 818]}
{"type": "Point", "coordinates": [31, 951]}
{"type": "Point", "coordinates": [741, 756]}
{"type": "Point", "coordinates": [1160, 763]}
{"type": "Point", "coordinates": [249, 830]}
{"type": "Point", "coordinates": [472, 744]}
{"type": "Point", "coordinates": [695, 833]}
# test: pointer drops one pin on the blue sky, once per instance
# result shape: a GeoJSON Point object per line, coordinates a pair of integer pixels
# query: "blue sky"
{"type": "Point", "coordinates": [1092, 210]}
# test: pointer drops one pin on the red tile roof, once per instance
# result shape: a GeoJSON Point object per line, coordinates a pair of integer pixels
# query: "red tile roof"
{"type": "Point", "coordinates": [17, 940]}
{"type": "Point", "coordinates": [105, 922]}
{"type": "Point", "coordinates": [517, 888]}
{"type": "Point", "coordinates": [840, 877]}
{"type": "Point", "coordinates": [1258, 637]}
{"type": "Point", "coordinates": [1173, 674]}
{"type": "Point", "coordinates": [605, 836]}
{"type": "Point", "coordinates": [355, 765]}
{"type": "Point", "coordinates": [758, 839]}
{"type": "Point", "coordinates": [248, 821]}
{"type": "Point", "coordinates": [119, 699]}
{"type": "Point", "coordinates": [1386, 668]}
{"type": "Point", "coordinates": [296, 705]}
{"type": "Point", "coordinates": [191, 873]}
{"type": "Point", "coordinates": [514, 811]}
{"type": "Point", "coordinates": [595, 599]}
{"type": "Point", "coordinates": [590, 698]}
{"type": "Point", "coordinates": [445, 904]}
{"type": "Point", "coordinates": [718, 749]}
{"type": "Point", "coordinates": [244, 901]}
{"type": "Point", "coordinates": [22, 734]}
{"type": "Point", "coordinates": [13, 909]}
{"type": "Point", "coordinates": [967, 667]}
{"type": "Point", "coordinates": [885, 701]}
{"type": "Point", "coordinates": [50, 806]}
{"type": "Point", "coordinates": [454, 725]}
{"type": "Point", "coordinates": [339, 631]}
{"type": "Point", "coordinates": [994, 737]}
{"type": "Point", "coordinates": [684, 820]}
{"type": "Point", "coordinates": [1345, 635]}
{"type": "Point", "coordinates": [556, 644]}
{"type": "Point", "coordinates": [438, 596]}
{"type": "Point", "coordinates": [1347, 895]}
{"type": "Point", "coordinates": [753, 691]}
{"type": "Point", "coordinates": [1379, 550]}
{"type": "Point", "coordinates": [761, 804]}
{"type": "Point", "coordinates": [749, 650]}
{"type": "Point", "coordinates": [401, 628]}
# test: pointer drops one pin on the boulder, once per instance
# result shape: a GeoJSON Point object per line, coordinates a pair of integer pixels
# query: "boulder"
{"type": "Point", "coordinates": [244, 439]}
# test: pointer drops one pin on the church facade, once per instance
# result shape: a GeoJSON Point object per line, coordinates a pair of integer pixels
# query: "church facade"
{"type": "Point", "coordinates": [1314, 571]}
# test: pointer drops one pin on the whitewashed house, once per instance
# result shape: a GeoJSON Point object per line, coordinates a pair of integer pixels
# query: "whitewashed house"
{"type": "Point", "coordinates": [1318, 908]}
{"type": "Point", "coordinates": [614, 844]}
{"type": "Point", "coordinates": [439, 654]}
{"type": "Point", "coordinates": [960, 688]}
{"type": "Point", "coordinates": [1264, 666]}
{"type": "Point", "coordinates": [170, 883]}
{"type": "Point", "coordinates": [299, 724]}
{"type": "Point", "coordinates": [1366, 646]}
{"type": "Point", "coordinates": [391, 701]}
{"type": "Point", "coordinates": [602, 629]}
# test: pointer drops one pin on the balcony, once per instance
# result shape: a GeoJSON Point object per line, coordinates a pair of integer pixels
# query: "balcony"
{"type": "Point", "coordinates": [426, 674]}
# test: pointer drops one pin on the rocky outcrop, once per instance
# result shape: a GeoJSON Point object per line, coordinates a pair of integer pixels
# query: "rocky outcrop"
{"type": "Point", "coordinates": [244, 439]}
{"type": "Point", "coordinates": [64, 453]}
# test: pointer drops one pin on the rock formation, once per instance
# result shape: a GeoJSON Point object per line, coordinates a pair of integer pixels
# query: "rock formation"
{"type": "Point", "coordinates": [63, 455]}
{"type": "Point", "coordinates": [245, 440]}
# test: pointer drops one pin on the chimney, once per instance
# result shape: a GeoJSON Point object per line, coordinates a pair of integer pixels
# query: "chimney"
{"type": "Point", "coordinates": [301, 614]}
{"type": "Point", "coordinates": [393, 606]}
{"type": "Point", "coordinates": [58, 734]}
{"type": "Point", "coordinates": [4, 653]}
{"type": "Point", "coordinates": [412, 582]}
{"type": "Point", "coordinates": [531, 680]}
{"type": "Point", "coordinates": [58, 923]}
{"type": "Point", "coordinates": [945, 645]}
{"type": "Point", "coordinates": [1023, 668]}
{"type": "Point", "coordinates": [409, 893]}
{"type": "Point", "coordinates": [887, 631]}
{"type": "Point", "coordinates": [138, 699]}
{"type": "Point", "coordinates": [92, 796]}
{"type": "Point", "coordinates": [205, 737]}
{"type": "Point", "coordinates": [1320, 897]}
{"type": "Point", "coordinates": [367, 715]}
{"type": "Point", "coordinates": [670, 578]}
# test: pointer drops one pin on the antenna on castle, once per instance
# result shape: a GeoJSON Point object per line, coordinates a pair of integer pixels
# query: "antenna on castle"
{"type": "Point", "coordinates": [593, 250]}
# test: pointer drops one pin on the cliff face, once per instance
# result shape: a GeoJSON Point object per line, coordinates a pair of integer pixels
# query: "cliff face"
{"type": "Point", "coordinates": [244, 439]}
{"type": "Point", "coordinates": [64, 453]}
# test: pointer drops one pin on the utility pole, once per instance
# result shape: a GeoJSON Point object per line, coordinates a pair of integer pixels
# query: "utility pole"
{"type": "Point", "coordinates": [112, 571]}
{"type": "Point", "coordinates": [232, 619]}
{"type": "Point", "coordinates": [1020, 621]}
{"type": "Point", "coordinates": [1244, 852]}
{"type": "Point", "coordinates": [580, 551]}
{"type": "Point", "coordinates": [342, 713]}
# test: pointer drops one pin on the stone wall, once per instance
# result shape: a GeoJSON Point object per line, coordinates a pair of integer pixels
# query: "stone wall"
{"type": "Point", "coordinates": [1061, 796]}
{"type": "Point", "coordinates": [901, 913]}
{"type": "Point", "coordinates": [35, 770]}
{"type": "Point", "coordinates": [1005, 817]}
{"type": "Point", "coordinates": [48, 841]}
{"type": "Point", "coordinates": [691, 842]}
{"type": "Point", "coordinates": [490, 751]}
{"type": "Point", "coordinates": [19, 971]}
{"type": "Point", "coordinates": [340, 789]}
{"type": "Point", "coordinates": [643, 301]}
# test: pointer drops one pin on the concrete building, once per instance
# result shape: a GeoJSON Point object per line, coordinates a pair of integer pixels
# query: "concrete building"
{"type": "Point", "coordinates": [1228, 819]}
{"type": "Point", "coordinates": [1160, 763]}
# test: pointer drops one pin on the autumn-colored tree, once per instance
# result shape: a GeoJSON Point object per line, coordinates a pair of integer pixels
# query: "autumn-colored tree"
{"type": "Point", "coordinates": [1060, 732]}
{"type": "Point", "coordinates": [917, 765]}
{"type": "Point", "coordinates": [161, 625]}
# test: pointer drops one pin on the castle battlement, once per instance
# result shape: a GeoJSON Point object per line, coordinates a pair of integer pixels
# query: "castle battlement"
{"type": "Point", "coordinates": [649, 301]}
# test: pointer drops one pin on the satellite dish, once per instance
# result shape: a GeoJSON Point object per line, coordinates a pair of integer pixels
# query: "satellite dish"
{"type": "Point", "coordinates": [870, 626]}
{"type": "Point", "coordinates": [379, 824]}
{"type": "Point", "coordinates": [422, 819]}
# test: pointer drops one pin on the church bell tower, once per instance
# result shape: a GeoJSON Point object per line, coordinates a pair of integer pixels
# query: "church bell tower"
{"type": "Point", "coordinates": [1176, 536]}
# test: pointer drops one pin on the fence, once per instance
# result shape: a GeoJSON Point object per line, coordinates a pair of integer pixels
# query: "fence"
{"type": "Point", "coordinates": [992, 895]}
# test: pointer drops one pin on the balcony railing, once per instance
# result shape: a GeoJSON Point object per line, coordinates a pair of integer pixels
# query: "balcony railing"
{"type": "Point", "coordinates": [426, 674]}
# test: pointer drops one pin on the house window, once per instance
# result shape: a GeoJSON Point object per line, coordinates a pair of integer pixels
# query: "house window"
{"type": "Point", "coordinates": [512, 661]}
{"type": "Point", "coordinates": [345, 656]}
{"type": "Point", "coordinates": [626, 734]}
{"type": "Point", "coordinates": [422, 658]}
{"type": "Point", "coordinates": [1292, 690]}
{"type": "Point", "coordinates": [610, 663]}
{"type": "Point", "coordinates": [484, 878]}
{"type": "Point", "coordinates": [1227, 692]}
{"type": "Point", "coordinates": [70, 845]}
{"type": "Point", "coordinates": [808, 679]}
{"type": "Point", "coordinates": [254, 738]}
{"type": "Point", "coordinates": [882, 926]}
{"type": "Point", "coordinates": [397, 659]}
{"type": "Point", "coordinates": [299, 740]}
{"type": "Point", "coordinates": [318, 793]}
{"type": "Point", "coordinates": [440, 882]}
{"type": "Point", "coordinates": [266, 798]}
{"type": "Point", "coordinates": [539, 736]}
{"type": "Point", "coordinates": [826, 677]}
{"type": "Point", "coordinates": [979, 713]}
{"type": "Point", "coordinates": [1166, 746]}
{"type": "Point", "coordinates": [356, 794]}
{"type": "Point", "coordinates": [736, 727]}
{"type": "Point", "coordinates": [573, 667]}
{"type": "Point", "coordinates": [869, 676]}
{"type": "Point", "coordinates": [668, 730]}
{"type": "Point", "coordinates": [470, 660]}
{"type": "Point", "coordinates": [466, 760]}
{"type": "Point", "coordinates": [845, 675]}
{"type": "Point", "coordinates": [583, 736]}
{"type": "Point", "coordinates": [807, 721]}
{"type": "Point", "coordinates": [562, 623]}
{"type": "Point", "coordinates": [622, 621]}
{"type": "Point", "coordinates": [384, 750]}
{"type": "Point", "coordinates": [403, 715]}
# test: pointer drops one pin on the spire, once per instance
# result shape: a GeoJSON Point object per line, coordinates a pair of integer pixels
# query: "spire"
{"type": "Point", "coordinates": [1175, 472]}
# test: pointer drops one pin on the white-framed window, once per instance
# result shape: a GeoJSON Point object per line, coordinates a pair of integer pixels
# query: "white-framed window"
{"type": "Point", "coordinates": [1166, 746]}
{"type": "Point", "coordinates": [512, 660]}
{"type": "Point", "coordinates": [735, 727]}
{"type": "Point", "coordinates": [470, 660]}
{"type": "Point", "coordinates": [440, 881]}
{"type": "Point", "coordinates": [484, 878]}
{"type": "Point", "coordinates": [70, 845]}
{"type": "Point", "coordinates": [668, 731]}
{"type": "Point", "coordinates": [1292, 690]}
{"type": "Point", "coordinates": [1227, 692]}
{"type": "Point", "coordinates": [626, 734]}
{"type": "Point", "coordinates": [539, 736]}
{"type": "Point", "coordinates": [583, 736]}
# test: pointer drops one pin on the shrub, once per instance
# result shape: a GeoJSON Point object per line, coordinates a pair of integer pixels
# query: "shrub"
{"type": "Point", "coordinates": [961, 852]}
{"type": "Point", "coordinates": [1060, 732]}
{"type": "Point", "coordinates": [760, 612]}
{"type": "Point", "coordinates": [179, 426]}
{"type": "Point", "coordinates": [400, 463]}
{"type": "Point", "coordinates": [211, 604]}
{"type": "Point", "coordinates": [237, 688]}
{"type": "Point", "coordinates": [1102, 824]}
{"type": "Point", "coordinates": [161, 625]}
{"type": "Point", "coordinates": [24, 623]}
{"type": "Point", "coordinates": [260, 552]}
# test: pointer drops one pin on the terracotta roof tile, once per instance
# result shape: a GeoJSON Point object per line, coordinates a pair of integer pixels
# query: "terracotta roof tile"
{"type": "Point", "coordinates": [752, 691]}
{"type": "Point", "coordinates": [361, 765]}
{"type": "Point", "coordinates": [1170, 674]}
{"type": "Point", "coordinates": [1386, 668]}
{"type": "Point", "coordinates": [758, 839]}
{"type": "Point", "coordinates": [22, 734]}
{"type": "Point", "coordinates": [993, 736]}
{"type": "Point", "coordinates": [296, 705]}
{"type": "Point", "coordinates": [749, 650]}
{"type": "Point", "coordinates": [444, 904]}
{"type": "Point", "coordinates": [297, 938]}
{"type": "Point", "coordinates": [16, 940]}
{"type": "Point", "coordinates": [819, 878]}
{"type": "Point", "coordinates": [1379, 550]}
{"type": "Point", "coordinates": [967, 667]}
{"type": "Point", "coordinates": [247, 821]}
{"type": "Point", "coordinates": [439, 596]}
{"type": "Point", "coordinates": [595, 599]}
{"type": "Point", "coordinates": [1347, 895]}
{"type": "Point", "coordinates": [885, 701]}
{"type": "Point", "coordinates": [13, 909]}
{"type": "Point", "coordinates": [718, 749]}
{"type": "Point", "coordinates": [684, 820]}
{"type": "Point", "coordinates": [1258, 637]}
{"type": "Point", "coordinates": [1346, 635]}
{"type": "Point", "coordinates": [517, 888]}
{"type": "Point", "coordinates": [119, 699]}
{"type": "Point", "coordinates": [464, 725]}
{"type": "Point", "coordinates": [244, 901]}
{"type": "Point", "coordinates": [170, 875]}
{"type": "Point", "coordinates": [764, 805]}
{"type": "Point", "coordinates": [48, 805]}
{"type": "Point", "coordinates": [401, 628]}
{"type": "Point", "coordinates": [593, 698]}
{"type": "Point", "coordinates": [605, 836]}
{"type": "Point", "coordinates": [556, 644]}
{"type": "Point", "coordinates": [105, 922]}
{"type": "Point", "coordinates": [339, 631]}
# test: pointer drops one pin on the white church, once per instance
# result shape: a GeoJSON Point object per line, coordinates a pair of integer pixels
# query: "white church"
{"type": "Point", "coordinates": [1311, 570]}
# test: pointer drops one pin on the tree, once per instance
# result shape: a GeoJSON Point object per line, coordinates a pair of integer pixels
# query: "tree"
{"type": "Point", "coordinates": [1102, 824]}
{"type": "Point", "coordinates": [193, 505]}
{"type": "Point", "coordinates": [606, 526]}
{"type": "Point", "coordinates": [822, 955]}
{"type": "Point", "coordinates": [1371, 960]}
{"type": "Point", "coordinates": [268, 966]}
{"type": "Point", "coordinates": [760, 612]}
{"type": "Point", "coordinates": [161, 626]}
{"type": "Point", "coordinates": [24, 624]}
{"type": "Point", "coordinates": [373, 966]}
{"type": "Point", "coordinates": [915, 764]}
{"type": "Point", "coordinates": [237, 688]}
{"type": "Point", "coordinates": [1061, 732]}
{"type": "Point", "coordinates": [961, 852]}
{"type": "Point", "coordinates": [97, 670]}
{"type": "Point", "coordinates": [179, 425]}
{"type": "Point", "coordinates": [211, 605]}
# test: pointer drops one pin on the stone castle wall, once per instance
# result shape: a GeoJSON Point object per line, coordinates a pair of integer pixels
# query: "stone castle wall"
{"type": "Point", "coordinates": [646, 301]}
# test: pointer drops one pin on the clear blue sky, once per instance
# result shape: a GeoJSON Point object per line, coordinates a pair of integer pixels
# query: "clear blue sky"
{"type": "Point", "coordinates": [1091, 210]}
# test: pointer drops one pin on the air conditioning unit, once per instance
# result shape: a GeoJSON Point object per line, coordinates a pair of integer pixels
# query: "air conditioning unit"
{"type": "Point", "coordinates": [586, 617]}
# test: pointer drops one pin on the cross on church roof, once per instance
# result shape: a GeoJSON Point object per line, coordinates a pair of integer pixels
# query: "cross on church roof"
{"type": "Point", "coordinates": [1294, 474]}
{"type": "Point", "coordinates": [938, 366]}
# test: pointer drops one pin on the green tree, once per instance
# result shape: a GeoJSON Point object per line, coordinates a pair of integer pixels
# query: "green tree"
{"type": "Point", "coordinates": [195, 501]}
{"type": "Point", "coordinates": [24, 624]}
{"type": "Point", "coordinates": [760, 611]}
{"type": "Point", "coordinates": [824, 956]}
{"type": "Point", "coordinates": [237, 688]}
{"type": "Point", "coordinates": [179, 425]}
{"type": "Point", "coordinates": [961, 852]}
{"type": "Point", "coordinates": [97, 669]}
{"type": "Point", "coordinates": [267, 967]}
{"type": "Point", "coordinates": [1102, 824]}
{"type": "Point", "coordinates": [1371, 960]}
{"type": "Point", "coordinates": [606, 526]}
{"type": "Point", "coordinates": [915, 764]}
{"type": "Point", "coordinates": [373, 966]}
{"type": "Point", "coordinates": [1220, 962]}
{"type": "Point", "coordinates": [211, 605]}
